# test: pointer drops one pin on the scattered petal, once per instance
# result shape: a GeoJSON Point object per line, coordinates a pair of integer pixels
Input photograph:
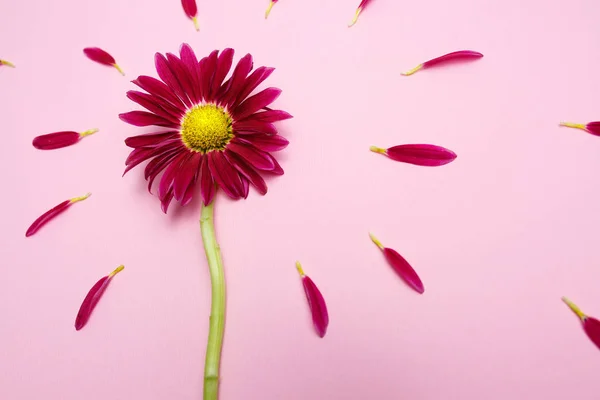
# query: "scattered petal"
{"type": "Point", "coordinates": [271, 4]}
{"type": "Point", "coordinates": [58, 140]}
{"type": "Point", "coordinates": [591, 326]}
{"type": "Point", "coordinates": [454, 56]}
{"type": "Point", "coordinates": [360, 8]}
{"type": "Point", "coordinates": [50, 214]}
{"type": "Point", "coordinates": [7, 63]}
{"type": "Point", "coordinates": [102, 57]}
{"type": "Point", "coordinates": [590, 127]}
{"type": "Point", "coordinates": [317, 305]}
{"type": "Point", "coordinates": [92, 298]}
{"type": "Point", "coordinates": [191, 10]}
{"type": "Point", "coordinates": [426, 155]}
{"type": "Point", "coordinates": [401, 266]}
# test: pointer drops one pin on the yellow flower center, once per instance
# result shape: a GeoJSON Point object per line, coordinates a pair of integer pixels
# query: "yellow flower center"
{"type": "Point", "coordinates": [206, 128]}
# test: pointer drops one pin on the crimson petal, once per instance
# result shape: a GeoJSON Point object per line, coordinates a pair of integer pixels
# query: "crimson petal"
{"type": "Point", "coordinates": [225, 175]}
{"type": "Point", "coordinates": [266, 142]}
{"type": "Point", "coordinates": [59, 140]}
{"type": "Point", "coordinates": [251, 83]}
{"type": "Point", "coordinates": [454, 56]}
{"type": "Point", "coordinates": [160, 90]}
{"type": "Point", "coordinates": [144, 118]}
{"type": "Point", "coordinates": [591, 325]}
{"type": "Point", "coordinates": [427, 155]}
{"type": "Point", "coordinates": [102, 57]}
{"type": "Point", "coordinates": [207, 183]}
{"type": "Point", "coordinates": [256, 102]}
{"type": "Point", "coordinates": [52, 213]}
{"type": "Point", "coordinates": [92, 298]}
{"type": "Point", "coordinates": [268, 116]}
{"type": "Point", "coordinates": [252, 155]}
{"type": "Point", "coordinates": [316, 303]}
{"type": "Point", "coordinates": [247, 171]}
{"type": "Point", "coordinates": [401, 266]}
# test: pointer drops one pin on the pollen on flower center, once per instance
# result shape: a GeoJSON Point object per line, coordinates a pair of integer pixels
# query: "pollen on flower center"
{"type": "Point", "coordinates": [206, 128]}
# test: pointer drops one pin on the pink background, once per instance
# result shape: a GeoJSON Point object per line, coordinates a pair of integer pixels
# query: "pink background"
{"type": "Point", "coordinates": [498, 236]}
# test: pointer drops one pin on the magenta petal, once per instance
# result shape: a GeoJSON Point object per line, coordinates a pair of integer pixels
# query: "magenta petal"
{"type": "Point", "coordinates": [251, 83]}
{"type": "Point", "coordinates": [254, 103]}
{"type": "Point", "coordinates": [172, 170]}
{"type": "Point", "coordinates": [207, 183]}
{"type": "Point", "coordinates": [99, 55]}
{"type": "Point", "coordinates": [92, 298]}
{"type": "Point", "coordinates": [52, 213]}
{"type": "Point", "coordinates": [55, 140]}
{"type": "Point", "coordinates": [190, 8]}
{"type": "Point", "coordinates": [246, 126]}
{"type": "Point", "coordinates": [456, 55]}
{"type": "Point", "coordinates": [153, 105]}
{"type": "Point", "coordinates": [180, 72]}
{"type": "Point", "coordinates": [150, 139]}
{"type": "Point", "coordinates": [156, 165]}
{"type": "Point", "coordinates": [316, 303]}
{"type": "Point", "coordinates": [403, 268]}
{"type": "Point", "coordinates": [225, 175]}
{"type": "Point", "coordinates": [247, 171]}
{"type": "Point", "coordinates": [143, 118]}
{"type": "Point", "coordinates": [591, 326]}
{"type": "Point", "coordinates": [189, 60]}
{"type": "Point", "coordinates": [266, 142]}
{"type": "Point", "coordinates": [251, 155]}
{"type": "Point", "coordinates": [166, 74]}
{"type": "Point", "coordinates": [421, 154]}
{"type": "Point", "coordinates": [185, 176]}
{"type": "Point", "coordinates": [224, 63]}
{"type": "Point", "coordinates": [161, 90]}
{"type": "Point", "coordinates": [268, 116]}
{"type": "Point", "coordinates": [241, 71]}
{"type": "Point", "coordinates": [207, 71]}
{"type": "Point", "coordinates": [277, 170]}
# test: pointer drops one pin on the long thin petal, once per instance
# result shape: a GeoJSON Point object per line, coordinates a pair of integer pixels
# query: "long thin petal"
{"type": "Point", "coordinates": [247, 171]}
{"type": "Point", "coordinates": [92, 298]}
{"type": "Point", "coordinates": [180, 72]}
{"type": "Point", "coordinates": [166, 74]}
{"type": "Point", "coordinates": [251, 83]}
{"type": "Point", "coordinates": [207, 183]}
{"type": "Point", "coordinates": [401, 266]}
{"type": "Point", "coordinates": [266, 142]}
{"type": "Point", "coordinates": [161, 90]}
{"type": "Point", "coordinates": [462, 55]}
{"type": "Point", "coordinates": [144, 118]}
{"type": "Point", "coordinates": [189, 60]}
{"type": "Point", "coordinates": [256, 102]}
{"type": "Point", "coordinates": [237, 80]}
{"type": "Point", "coordinates": [156, 106]}
{"type": "Point", "coordinates": [59, 140]}
{"type": "Point", "coordinates": [191, 10]}
{"type": "Point", "coordinates": [150, 139]}
{"type": "Point", "coordinates": [427, 155]}
{"type": "Point", "coordinates": [316, 303]}
{"type": "Point", "coordinates": [225, 175]}
{"type": "Point", "coordinates": [277, 170]}
{"type": "Point", "coordinates": [224, 63]}
{"type": "Point", "coordinates": [258, 159]}
{"type": "Point", "coordinates": [186, 175]}
{"type": "Point", "coordinates": [268, 116]}
{"type": "Point", "coordinates": [172, 170]}
{"type": "Point", "coordinates": [102, 57]}
{"type": "Point", "coordinates": [591, 325]}
{"type": "Point", "coordinates": [52, 213]}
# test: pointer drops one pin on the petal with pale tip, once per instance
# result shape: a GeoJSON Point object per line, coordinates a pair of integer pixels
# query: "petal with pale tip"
{"type": "Point", "coordinates": [52, 213]}
{"type": "Point", "coordinates": [58, 140]}
{"type": "Point", "coordinates": [591, 127]}
{"type": "Point", "coordinates": [426, 155]}
{"type": "Point", "coordinates": [461, 55]}
{"type": "Point", "coordinates": [191, 10]}
{"type": "Point", "coordinates": [7, 63]}
{"type": "Point", "coordinates": [92, 298]}
{"type": "Point", "coordinates": [269, 8]}
{"type": "Point", "coordinates": [359, 10]}
{"type": "Point", "coordinates": [401, 266]}
{"type": "Point", "coordinates": [102, 57]}
{"type": "Point", "coordinates": [591, 326]}
{"type": "Point", "coordinates": [316, 303]}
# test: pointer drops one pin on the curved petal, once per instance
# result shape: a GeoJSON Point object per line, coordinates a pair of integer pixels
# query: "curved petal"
{"type": "Point", "coordinates": [166, 74]}
{"type": "Point", "coordinates": [251, 83]}
{"type": "Point", "coordinates": [207, 71]}
{"type": "Point", "coordinates": [225, 175]}
{"type": "Point", "coordinates": [150, 139]}
{"type": "Point", "coordinates": [254, 126]}
{"type": "Point", "coordinates": [180, 72]}
{"type": "Point", "coordinates": [185, 175]}
{"type": "Point", "coordinates": [160, 90]}
{"type": "Point", "coordinates": [222, 69]}
{"type": "Point", "coordinates": [247, 171]}
{"type": "Point", "coordinates": [268, 116]}
{"type": "Point", "coordinates": [188, 58]}
{"type": "Point", "coordinates": [143, 118]}
{"type": "Point", "coordinates": [254, 103]}
{"type": "Point", "coordinates": [234, 84]}
{"type": "Point", "coordinates": [207, 183]}
{"type": "Point", "coordinates": [172, 170]}
{"type": "Point", "coordinates": [251, 155]}
{"type": "Point", "coordinates": [155, 105]}
{"type": "Point", "coordinates": [266, 143]}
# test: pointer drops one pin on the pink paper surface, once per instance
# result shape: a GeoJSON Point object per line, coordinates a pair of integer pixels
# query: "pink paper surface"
{"type": "Point", "coordinates": [498, 236]}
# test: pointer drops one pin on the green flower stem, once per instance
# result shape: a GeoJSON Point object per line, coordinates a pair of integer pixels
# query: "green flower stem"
{"type": "Point", "coordinates": [217, 308]}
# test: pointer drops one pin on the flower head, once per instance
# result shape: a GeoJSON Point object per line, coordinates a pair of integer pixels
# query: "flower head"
{"type": "Point", "coordinates": [591, 326]}
{"type": "Point", "coordinates": [590, 127]}
{"type": "Point", "coordinates": [216, 134]}
{"type": "Point", "coordinates": [316, 303]}
{"type": "Point", "coordinates": [92, 298]}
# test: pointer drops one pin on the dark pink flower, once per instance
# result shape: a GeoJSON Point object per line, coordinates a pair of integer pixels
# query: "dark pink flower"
{"type": "Point", "coordinates": [217, 134]}
{"type": "Point", "coordinates": [7, 63]}
{"type": "Point", "coordinates": [191, 10]}
{"type": "Point", "coordinates": [58, 140]}
{"type": "Point", "coordinates": [591, 326]}
{"type": "Point", "coordinates": [51, 214]}
{"type": "Point", "coordinates": [590, 127]}
{"type": "Point", "coordinates": [92, 298]}
{"type": "Point", "coordinates": [363, 4]}
{"type": "Point", "coordinates": [427, 155]}
{"type": "Point", "coordinates": [102, 57]}
{"type": "Point", "coordinates": [271, 4]}
{"type": "Point", "coordinates": [401, 266]}
{"type": "Point", "coordinates": [316, 303]}
{"type": "Point", "coordinates": [454, 56]}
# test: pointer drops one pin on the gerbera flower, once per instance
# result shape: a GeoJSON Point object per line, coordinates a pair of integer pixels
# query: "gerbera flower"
{"type": "Point", "coordinates": [215, 135]}
{"type": "Point", "coordinates": [214, 131]}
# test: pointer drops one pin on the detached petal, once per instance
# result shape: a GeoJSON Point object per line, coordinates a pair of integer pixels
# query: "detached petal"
{"type": "Point", "coordinates": [51, 214]}
{"type": "Point", "coordinates": [426, 155]}
{"type": "Point", "coordinates": [591, 326]}
{"type": "Point", "coordinates": [401, 266]}
{"type": "Point", "coordinates": [92, 298]}
{"type": "Point", "coordinates": [360, 8]}
{"type": "Point", "coordinates": [58, 140]}
{"type": "Point", "coordinates": [102, 57]}
{"type": "Point", "coordinates": [316, 303]}
{"type": "Point", "coordinates": [590, 127]}
{"type": "Point", "coordinates": [271, 4]}
{"type": "Point", "coordinates": [7, 63]}
{"type": "Point", "coordinates": [191, 10]}
{"type": "Point", "coordinates": [454, 56]}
